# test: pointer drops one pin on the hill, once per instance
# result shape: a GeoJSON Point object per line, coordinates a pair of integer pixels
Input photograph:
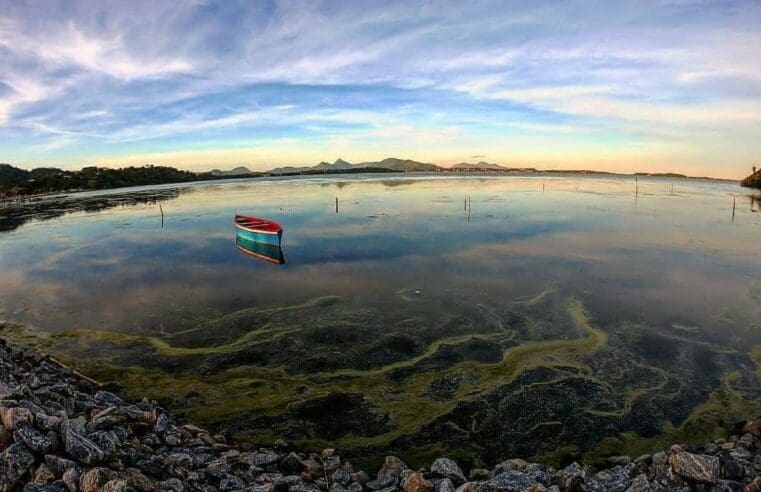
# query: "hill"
{"type": "Point", "coordinates": [390, 164]}
{"type": "Point", "coordinates": [238, 171]}
{"type": "Point", "coordinates": [19, 182]}
{"type": "Point", "coordinates": [477, 166]}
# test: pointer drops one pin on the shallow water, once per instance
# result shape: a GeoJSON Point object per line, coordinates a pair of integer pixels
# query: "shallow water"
{"type": "Point", "coordinates": [482, 316]}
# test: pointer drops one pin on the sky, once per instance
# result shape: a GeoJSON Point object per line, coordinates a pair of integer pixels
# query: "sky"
{"type": "Point", "coordinates": [645, 85]}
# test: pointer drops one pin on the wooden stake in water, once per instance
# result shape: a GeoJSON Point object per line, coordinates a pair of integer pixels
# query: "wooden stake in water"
{"type": "Point", "coordinates": [636, 186]}
{"type": "Point", "coordinates": [542, 186]}
{"type": "Point", "coordinates": [162, 215]}
{"type": "Point", "coordinates": [336, 204]}
{"type": "Point", "coordinates": [734, 203]}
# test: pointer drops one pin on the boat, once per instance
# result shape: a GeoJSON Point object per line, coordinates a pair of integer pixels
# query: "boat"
{"type": "Point", "coordinates": [260, 251]}
{"type": "Point", "coordinates": [258, 230]}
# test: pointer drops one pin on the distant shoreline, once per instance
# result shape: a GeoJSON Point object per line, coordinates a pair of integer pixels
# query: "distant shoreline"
{"type": "Point", "coordinates": [6, 199]}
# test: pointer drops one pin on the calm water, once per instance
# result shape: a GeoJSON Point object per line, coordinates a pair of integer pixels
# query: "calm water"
{"type": "Point", "coordinates": [407, 314]}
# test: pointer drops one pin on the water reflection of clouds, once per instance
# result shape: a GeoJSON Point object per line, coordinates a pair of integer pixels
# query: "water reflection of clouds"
{"type": "Point", "coordinates": [665, 254]}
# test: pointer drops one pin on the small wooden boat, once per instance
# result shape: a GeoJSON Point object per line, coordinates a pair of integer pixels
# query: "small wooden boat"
{"type": "Point", "coordinates": [260, 251]}
{"type": "Point", "coordinates": [258, 230]}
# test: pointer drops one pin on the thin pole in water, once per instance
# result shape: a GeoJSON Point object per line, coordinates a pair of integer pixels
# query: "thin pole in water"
{"type": "Point", "coordinates": [336, 204]}
{"type": "Point", "coordinates": [734, 203]}
{"type": "Point", "coordinates": [162, 215]}
{"type": "Point", "coordinates": [636, 186]}
{"type": "Point", "coordinates": [542, 186]}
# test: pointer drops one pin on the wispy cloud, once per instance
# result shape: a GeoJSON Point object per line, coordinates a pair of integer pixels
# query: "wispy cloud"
{"type": "Point", "coordinates": [91, 80]}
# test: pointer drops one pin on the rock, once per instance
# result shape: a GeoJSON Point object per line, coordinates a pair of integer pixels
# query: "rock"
{"type": "Point", "coordinates": [15, 462]}
{"type": "Point", "coordinates": [293, 464]}
{"type": "Point", "coordinates": [570, 478]}
{"type": "Point", "coordinates": [95, 478]}
{"type": "Point", "coordinates": [15, 417]}
{"type": "Point", "coordinates": [477, 474]}
{"type": "Point", "coordinates": [34, 440]}
{"type": "Point", "coordinates": [115, 485]}
{"type": "Point", "coordinates": [754, 486]}
{"type": "Point", "coordinates": [341, 477]}
{"type": "Point", "coordinates": [640, 484]}
{"type": "Point", "coordinates": [444, 485]}
{"type": "Point", "coordinates": [392, 467]}
{"type": "Point", "coordinates": [507, 481]}
{"type": "Point", "coordinates": [695, 468]}
{"type": "Point", "coordinates": [446, 468]}
{"type": "Point", "coordinates": [82, 448]}
{"type": "Point", "coordinates": [618, 460]}
{"type": "Point", "coordinates": [381, 483]}
{"type": "Point", "coordinates": [110, 399]}
{"type": "Point", "coordinates": [263, 459]}
{"type": "Point", "coordinates": [512, 464]}
{"type": "Point", "coordinates": [415, 483]}
{"type": "Point", "coordinates": [753, 427]}
{"type": "Point", "coordinates": [467, 487]}
{"type": "Point", "coordinates": [72, 479]}
{"type": "Point", "coordinates": [58, 465]}
{"type": "Point", "coordinates": [42, 475]}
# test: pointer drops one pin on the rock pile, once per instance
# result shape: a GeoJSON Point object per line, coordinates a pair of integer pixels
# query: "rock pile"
{"type": "Point", "coordinates": [60, 433]}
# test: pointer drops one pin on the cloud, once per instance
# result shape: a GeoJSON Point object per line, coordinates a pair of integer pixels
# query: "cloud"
{"type": "Point", "coordinates": [153, 76]}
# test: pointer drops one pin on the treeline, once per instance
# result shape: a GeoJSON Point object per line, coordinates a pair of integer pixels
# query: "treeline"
{"type": "Point", "coordinates": [19, 182]}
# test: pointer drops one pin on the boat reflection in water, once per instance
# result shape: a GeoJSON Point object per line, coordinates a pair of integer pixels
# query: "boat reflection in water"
{"type": "Point", "coordinates": [265, 252]}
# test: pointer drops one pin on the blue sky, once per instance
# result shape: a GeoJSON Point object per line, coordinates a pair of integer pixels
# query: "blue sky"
{"type": "Point", "coordinates": [647, 85]}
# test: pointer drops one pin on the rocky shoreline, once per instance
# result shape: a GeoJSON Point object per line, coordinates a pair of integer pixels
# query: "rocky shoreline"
{"type": "Point", "coordinates": [61, 432]}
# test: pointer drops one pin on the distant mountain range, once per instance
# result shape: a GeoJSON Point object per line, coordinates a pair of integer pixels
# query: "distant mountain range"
{"type": "Point", "coordinates": [392, 164]}
{"type": "Point", "coordinates": [488, 166]}
{"type": "Point", "coordinates": [238, 171]}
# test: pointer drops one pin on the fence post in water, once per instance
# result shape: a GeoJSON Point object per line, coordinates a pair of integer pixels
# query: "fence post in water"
{"type": "Point", "coordinates": [162, 215]}
{"type": "Point", "coordinates": [636, 186]}
{"type": "Point", "coordinates": [734, 203]}
{"type": "Point", "coordinates": [336, 204]}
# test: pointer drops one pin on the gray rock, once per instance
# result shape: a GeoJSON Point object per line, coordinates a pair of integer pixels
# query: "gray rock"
{"type": "Point", "coordinates": [392, 467]}
{"type": "Point", "coordinates": [444, 485]}
{"type": "Point", "coordinates": [640, 484]}
{"type": "Point", "coordinates": [34, 440]}
{"type": "Point", "coordinates": [293, 464]}
{"type": "Point", "coordinates": [507, 481]}
{"type": "Point", "coordinates": [381, 483]}
{"type": "Point", "coordinates": [570, 478]}
{"type": "Point", "coordinates": [446, 468]}
{"type": "Point", "coordinates": [15, 462]}
{"type": "Point", "coordinates": [341, 477]}
{"type": "Point", "coordinates": [58, 465]}
{"type": "Point", "coordinates": [695, 468]}
{"type": "Point", "coordinates": [81, 448]}
{"type": "Point", "coordinates": [107, 398]}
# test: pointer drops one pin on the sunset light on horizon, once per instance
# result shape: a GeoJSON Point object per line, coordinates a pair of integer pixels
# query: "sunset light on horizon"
{"type": "Point", "coordinates": [654, 86]}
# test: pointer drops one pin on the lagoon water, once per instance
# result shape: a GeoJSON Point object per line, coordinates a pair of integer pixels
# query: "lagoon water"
{"type": "Point", "coordinates": [483, 316]}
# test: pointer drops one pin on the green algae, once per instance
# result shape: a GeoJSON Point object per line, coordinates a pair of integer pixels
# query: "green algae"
{"type": "Point", "coordinates": [257, 391]}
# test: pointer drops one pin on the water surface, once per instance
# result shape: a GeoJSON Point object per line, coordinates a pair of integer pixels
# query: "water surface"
{"type": "Point", "coordinates": [480, 316]}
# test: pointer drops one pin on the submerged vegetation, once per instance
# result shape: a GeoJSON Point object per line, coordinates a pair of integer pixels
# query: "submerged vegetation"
{"type": "Point", "coordinates": [478, 380]}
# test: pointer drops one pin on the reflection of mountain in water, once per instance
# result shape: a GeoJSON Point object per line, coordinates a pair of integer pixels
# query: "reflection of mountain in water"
{"type": "Point", "coordinates": [14, 215]}
{"type": "Point", "coordinates": [261, 251]}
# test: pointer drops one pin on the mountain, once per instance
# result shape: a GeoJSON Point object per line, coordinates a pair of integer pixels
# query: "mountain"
{"type": "Point", "coordinates": [238, 171]}
{"type": "Point", "coordinates": [339, 164]}
{"type": "Point", "coordinates": [480, 165]}
{"type": "Point", "coordinates": [405, 165]}
{"type": "Point", "coordinates": [391, 163]}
